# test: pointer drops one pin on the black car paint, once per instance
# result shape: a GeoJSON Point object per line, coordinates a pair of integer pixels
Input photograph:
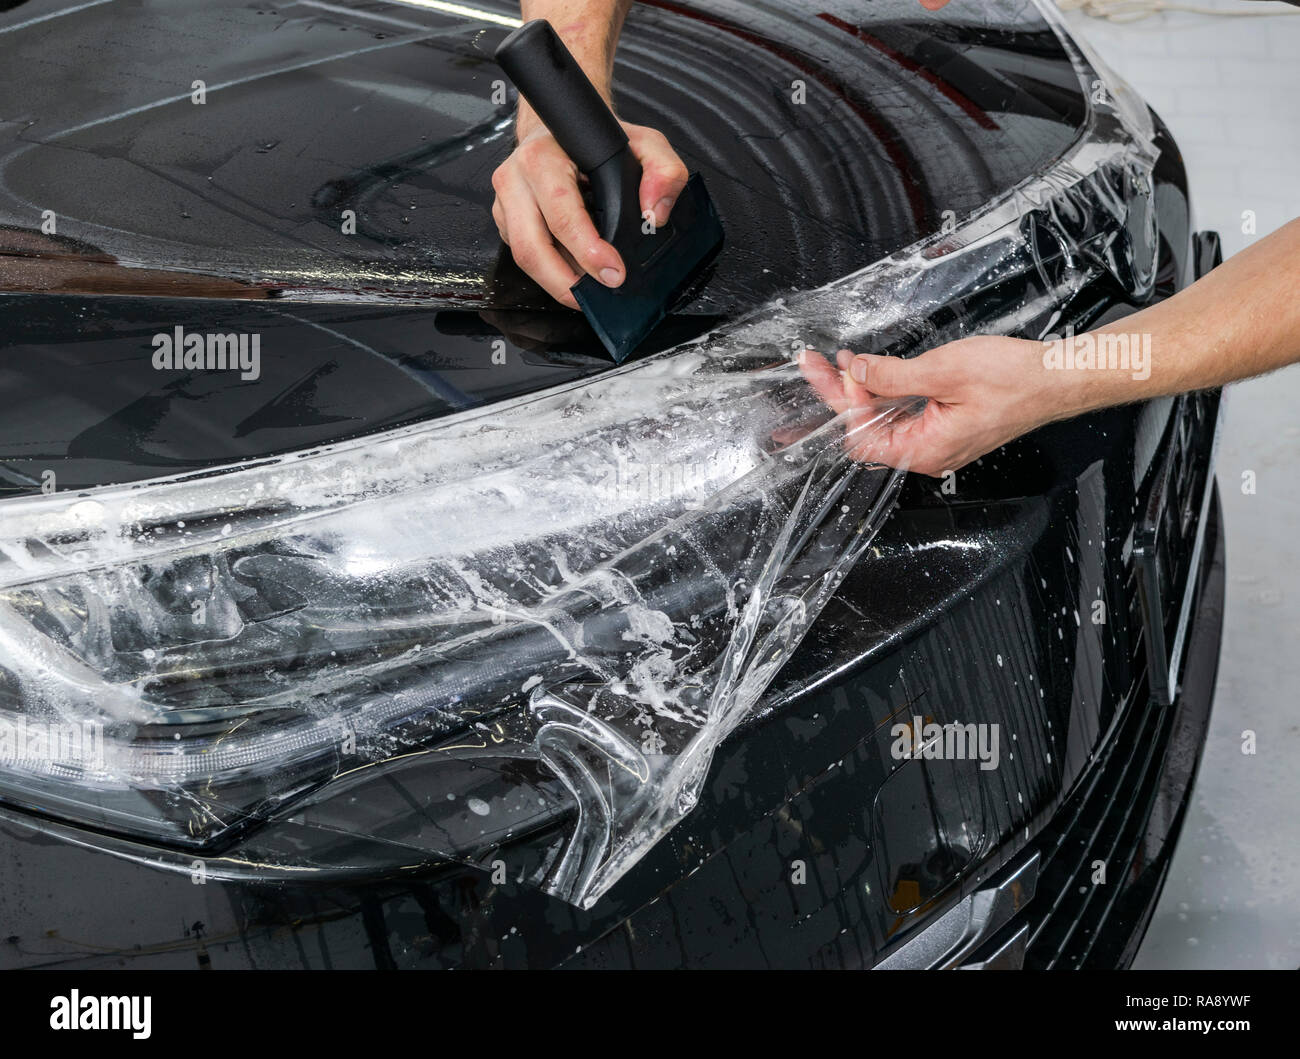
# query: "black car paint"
{"type": "Point", "coordinates": [904, 123]}
{"type": "Point", "coordinates": [1033, 532]}
{"type": "Point", "coordinates": [390, 111]}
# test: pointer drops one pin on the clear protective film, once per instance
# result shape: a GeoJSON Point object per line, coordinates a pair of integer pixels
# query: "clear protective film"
{"type": "Point", "coordinates": [597, 584]}
{"type": "Point", "coordinates": [540, 618]}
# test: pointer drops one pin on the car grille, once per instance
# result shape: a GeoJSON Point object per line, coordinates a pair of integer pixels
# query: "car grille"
{"type": "Point", "coordinates": [1107, 816]}
{"type": "Point", "coordinates": [1105, 820]}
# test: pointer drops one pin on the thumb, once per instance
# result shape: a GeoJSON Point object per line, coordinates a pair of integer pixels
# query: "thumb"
{"type": "Point", "coordinates": [891, 376]}
{"type": "Point", "coordinates": [663, 174]}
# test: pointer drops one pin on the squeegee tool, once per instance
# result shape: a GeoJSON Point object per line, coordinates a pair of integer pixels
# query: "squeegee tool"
{"type": "Point", "coordinates": [660, 264]}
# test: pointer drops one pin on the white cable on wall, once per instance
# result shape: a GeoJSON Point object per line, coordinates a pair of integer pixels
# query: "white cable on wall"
{"type": "Point", "coordinates": [1136, 10]}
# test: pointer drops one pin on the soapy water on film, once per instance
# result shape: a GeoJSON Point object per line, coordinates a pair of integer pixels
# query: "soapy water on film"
{"type": "Point", "coordinates": [515, 585]}
{"type": "Point", "coordinates": [571, 599]}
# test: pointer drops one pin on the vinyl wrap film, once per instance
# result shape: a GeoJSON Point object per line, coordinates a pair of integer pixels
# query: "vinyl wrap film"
{"type": "Point", "coordinates": [544, 615]}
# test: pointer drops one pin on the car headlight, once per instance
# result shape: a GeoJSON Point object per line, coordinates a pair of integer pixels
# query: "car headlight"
{"type": "Point", "coordinates": [561, 605]}
{"type": "Point", "coordinates": [619, 566]}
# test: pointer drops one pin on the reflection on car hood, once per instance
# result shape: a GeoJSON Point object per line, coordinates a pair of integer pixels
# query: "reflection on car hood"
{"type": "Point", "coordinates": [829, 139]}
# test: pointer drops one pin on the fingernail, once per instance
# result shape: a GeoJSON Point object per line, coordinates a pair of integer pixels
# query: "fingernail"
{"type": "Point", "coordinates": [859, 370]}
{"type": "Point", "coordinates": [611, 277]}
{"type": "Point", "coordinates": [663, 208]}
{"type": "Point", "coordinates": [803, 357]}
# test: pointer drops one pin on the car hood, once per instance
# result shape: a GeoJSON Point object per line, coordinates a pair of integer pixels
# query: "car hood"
{"type": "Point", "coordinates": [213, 148]}
{"type": "Point", "coordinates": [829, 138]}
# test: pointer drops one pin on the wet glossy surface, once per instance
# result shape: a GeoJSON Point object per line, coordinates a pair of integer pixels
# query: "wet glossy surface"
{"type": "Point", "coordinates": [84, 401]}
{"type": "Point", "coordinates": [827, 141]}
{"type": "Point", "coordinates": [900, 118]}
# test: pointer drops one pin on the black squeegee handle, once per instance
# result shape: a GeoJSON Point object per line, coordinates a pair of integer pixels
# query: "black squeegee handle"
{"type": "Point", "coordinates": [549, 77]}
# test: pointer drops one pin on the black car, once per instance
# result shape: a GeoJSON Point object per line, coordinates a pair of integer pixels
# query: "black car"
{"type": "Point", "coordinates": [356, 610]}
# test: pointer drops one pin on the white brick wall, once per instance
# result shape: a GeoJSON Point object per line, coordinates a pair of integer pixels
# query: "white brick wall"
{"type": "Point", "coordinates": [1229, 88]}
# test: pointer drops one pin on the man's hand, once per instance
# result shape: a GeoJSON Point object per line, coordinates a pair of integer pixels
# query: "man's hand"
{"type": "Point", "coordinates": [981, 392]}
{"type": "Point", "coordinates": [541, 216]}
{"type": "Point", "coordinates": [1239, 320]}
{"type": "Point", "coordinates": [539, 209]}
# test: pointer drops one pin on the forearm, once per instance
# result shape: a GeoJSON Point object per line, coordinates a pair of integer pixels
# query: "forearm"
{"type": "Point", "coordinates": [590, 29]}
{"type": "Point", "coordinates": [1240, 320]}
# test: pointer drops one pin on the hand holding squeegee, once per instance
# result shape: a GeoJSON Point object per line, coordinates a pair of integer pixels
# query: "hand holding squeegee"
{"type": "Point", "coordinates": [661, 262]}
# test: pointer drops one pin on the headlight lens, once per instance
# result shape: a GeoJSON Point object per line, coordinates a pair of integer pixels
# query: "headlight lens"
{"type": "Point", "coordinates": [616, 568]}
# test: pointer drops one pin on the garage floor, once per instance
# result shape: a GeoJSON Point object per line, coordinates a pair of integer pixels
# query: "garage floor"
{"type": "Point", "coordinates": [1228, 88]}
